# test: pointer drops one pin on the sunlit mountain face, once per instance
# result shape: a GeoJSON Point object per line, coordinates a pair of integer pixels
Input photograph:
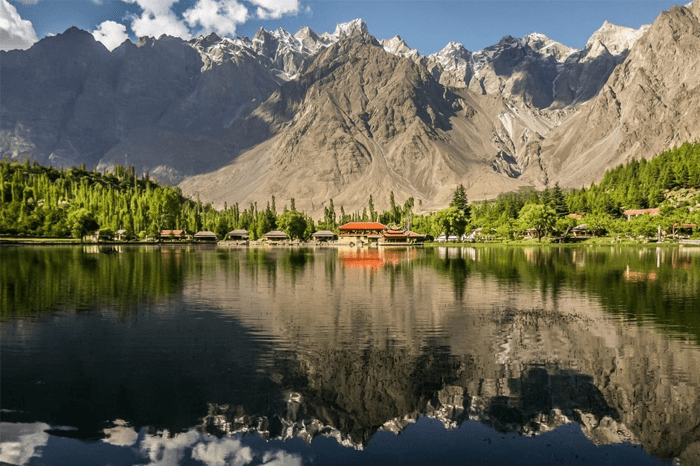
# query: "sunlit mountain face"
{"type": "Point", "coordinates": [315, 117]}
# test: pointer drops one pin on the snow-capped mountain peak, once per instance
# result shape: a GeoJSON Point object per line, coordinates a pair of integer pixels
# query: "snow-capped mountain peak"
{"type": "Point", "coordinates": [617, 39]}
{"type": "Point", "coordinates": [346, 29]}
{"type": "Point", "coordinates": [548, 47]}
{"type": "Point", "coordinates": [397, 46]}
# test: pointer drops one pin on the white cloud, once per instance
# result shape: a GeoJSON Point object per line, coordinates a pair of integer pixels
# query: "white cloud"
{"type": "Point", "coordinates": [219, 16]}
{"type": "Point", "coordinates": [21, 442]}
{"type": "Point", "coordinates": [223, 452]}
{"type": "Point", "coordinates": [121, 434]}
{"type": "Point", "coordinates": [164, 449]}
{"type": "Point", "coordinates": [29, 2]}
{"type": "Point", "coordinates": [281, 458]}
{"type": "Point", "coordinates": [204, 17]}
{"type": "Point", "coordinates": [15, 32]}
{"type": "Point", "coordinates": [157, 19]}
{"type": "Point", "coordinates": [111, 34]}
{"type": "Point", "coordinates": [275, 9]}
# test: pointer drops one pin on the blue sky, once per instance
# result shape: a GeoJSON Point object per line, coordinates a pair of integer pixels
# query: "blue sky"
{"type": "Point", "coordinates": [427, 25]}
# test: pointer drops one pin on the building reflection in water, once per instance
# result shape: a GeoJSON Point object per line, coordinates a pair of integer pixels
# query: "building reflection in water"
{"type": "Point", "coordinates": [301, 344]}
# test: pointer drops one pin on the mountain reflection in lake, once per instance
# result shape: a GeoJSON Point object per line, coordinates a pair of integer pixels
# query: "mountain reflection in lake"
{"type": "Point", "coordinates": [486, 355]}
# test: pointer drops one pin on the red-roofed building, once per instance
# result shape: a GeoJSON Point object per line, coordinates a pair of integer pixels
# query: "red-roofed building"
{"type": "Point", "coordinates": [360, 232]}
{"type": "Point", "coordinates": [638, 212]}
{"type": "Point", "coordinates": [394, 236]}
{"type": "Point", "coordinates": [176, 235]}
{"type": "Point", "coordinates": [415, 237]}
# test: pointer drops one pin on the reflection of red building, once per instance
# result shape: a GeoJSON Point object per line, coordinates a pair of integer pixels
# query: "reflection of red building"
{"type": "Point", "coordinates": [631, 276]}
{"type": "Point", "coordinates": [360, 232]}
{"type": "Point", "coordinates": [362, 259]}
{"type": "Point", "coordinates": [373, 258]}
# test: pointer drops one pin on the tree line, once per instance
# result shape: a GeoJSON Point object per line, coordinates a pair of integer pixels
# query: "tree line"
{"type": "Point", "coordinates": [50, 202]}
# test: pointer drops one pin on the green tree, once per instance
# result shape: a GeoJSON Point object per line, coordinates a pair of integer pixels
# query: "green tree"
{"type": "Point", "coordinates": [598, 223]}
{"type": "Point", "coordinates": [293, 223]}
{"type": "Point", "coordinates": [450, 221]}
{"type": "Point", "coordinates": [539, 217]}
{"type": "Point", "coordinates": [459, 199]}
{"type": "Point", "coordinates": [559, 202]}
{"type": "Point", "coordinates": [81, 223]}
{"type": "Point", "coordinates": [564, 224]}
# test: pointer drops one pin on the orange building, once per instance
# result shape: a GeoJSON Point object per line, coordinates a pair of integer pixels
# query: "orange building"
{"type": "Point", "coordinates": [360, 232]}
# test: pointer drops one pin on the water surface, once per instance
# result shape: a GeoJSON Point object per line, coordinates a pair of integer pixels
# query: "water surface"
{"type": "Point", "coordinates": [489, 355]}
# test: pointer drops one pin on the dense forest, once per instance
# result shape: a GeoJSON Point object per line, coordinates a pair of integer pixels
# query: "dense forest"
{"type": "Point", "coordinates": [668, 182]}
{"type": "Point", "coordinates": [49, 202]}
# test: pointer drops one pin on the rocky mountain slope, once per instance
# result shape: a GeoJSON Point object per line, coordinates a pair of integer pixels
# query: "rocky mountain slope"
{"type": "Point", "coordinates": [650, 104]}
{"type": "Point", "coordinates": [342, 115]}
{"type": "Point", "coordinates": [360, 120]}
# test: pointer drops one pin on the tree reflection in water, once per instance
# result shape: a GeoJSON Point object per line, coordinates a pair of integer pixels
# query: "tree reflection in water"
{"type": "Point", "coordinates": [296, 343]}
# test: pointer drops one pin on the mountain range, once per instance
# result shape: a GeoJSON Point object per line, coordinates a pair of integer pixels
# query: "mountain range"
{"type": "Point", "coordinates": [343, 115]}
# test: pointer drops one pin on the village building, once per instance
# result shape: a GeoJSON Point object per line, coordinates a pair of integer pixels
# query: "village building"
{"type": "Point", "coordinates": [394, 236]}
{"type": "Point", "coordinates": [582, 231]}
{"type": "Point", "coordinates": [120, 235]}
{"type": "Point", "coordinates": [414, 237]}
{"type": "Point", "coordinates": [238, 235]}
{"type": "Point", "coordinates": [173, 235]}
{"type": "Point", "coordinates": [275, 236]}
{"type": "Point", "coordinates": [205, 236]}
{"type": "Point", "coordinates": [640, 212]}
{"type": "Point", "coordinates": [360, 232]}
{"type": "Point", "coordinates": [324, 236]}
{"type": "Point", "coordinates": [447, 239]}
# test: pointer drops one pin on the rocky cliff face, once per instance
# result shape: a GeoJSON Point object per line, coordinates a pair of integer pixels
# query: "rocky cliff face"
{"type": "Point", "coordinates": [649, 104]}
{"type": "Point", "coordinates": [146, 104]}
{"type": "Point", "coordinates": [342, 115]}
{"type": "Point", "coordinates": [535, 68]}
{"type": "Point", "coordinates": [362, 121]}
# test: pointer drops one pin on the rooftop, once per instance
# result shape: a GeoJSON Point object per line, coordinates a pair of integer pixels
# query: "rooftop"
{"type": "Point", "coordinates": [363, 226]}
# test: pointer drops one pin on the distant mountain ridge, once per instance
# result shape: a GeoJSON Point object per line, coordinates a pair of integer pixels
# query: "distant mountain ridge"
{"type": "Point", "coordinates": [339, 115]}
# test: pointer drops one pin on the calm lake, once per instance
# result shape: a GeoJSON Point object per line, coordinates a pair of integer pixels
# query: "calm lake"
{"type": "Point", "coordinates": [288, 356]}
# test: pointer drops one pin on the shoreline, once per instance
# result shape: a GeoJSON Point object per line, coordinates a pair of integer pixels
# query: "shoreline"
{"type": "Point", "coordinates": [589, 242]}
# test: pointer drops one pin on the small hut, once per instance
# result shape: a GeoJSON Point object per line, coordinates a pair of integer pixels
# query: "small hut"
{"type": "Point", "coordinates": [324, 236]}
{"type": "Point", "coordinates": [276, 236]}
{"type": "Point", "coordinates": [205, 236]}
{"type": "Point", "coordinates": [238, 235]}
{"type": "Point", "coordinates": [173, 235]}
{"type": "Point", "coordinates": [581, 231]}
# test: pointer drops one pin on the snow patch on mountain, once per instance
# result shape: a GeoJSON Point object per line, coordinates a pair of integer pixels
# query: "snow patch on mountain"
{"type": "Point", "coordinates": [617, 39]}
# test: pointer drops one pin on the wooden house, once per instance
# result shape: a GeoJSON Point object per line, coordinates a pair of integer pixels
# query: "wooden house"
{"type": "Point", "coordinates": [205, 236]}
{"type": "Point", "coordinates": [238, 235]}
{"type": "Point", "coordinates": [173, 235]}
{"type": "Point", "coordinates": [276, 236]}
{"type": "Point", "coordinates": [324, 236]}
